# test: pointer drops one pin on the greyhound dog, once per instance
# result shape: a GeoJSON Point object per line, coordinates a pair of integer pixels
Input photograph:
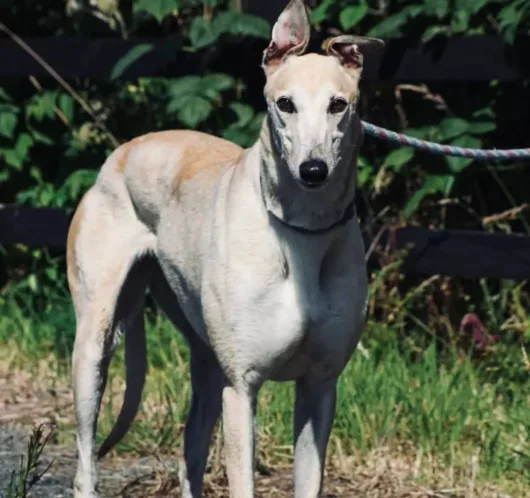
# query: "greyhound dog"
{"type": "Point", "coordinates": [255, 255]}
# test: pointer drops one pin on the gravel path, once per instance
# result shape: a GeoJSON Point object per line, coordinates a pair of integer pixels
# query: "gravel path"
{"type": "Point", "coordinates": [143, 478]}
{"type": "Point", "coordinates": [57, 482]}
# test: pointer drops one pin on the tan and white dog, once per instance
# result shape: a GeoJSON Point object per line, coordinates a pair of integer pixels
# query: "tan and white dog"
{"type": "Point", "coordinates": [255, 256]}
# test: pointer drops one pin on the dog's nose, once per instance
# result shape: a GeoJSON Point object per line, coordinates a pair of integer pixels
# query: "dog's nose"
{"type": "Point", "coordinates": [314, 172]}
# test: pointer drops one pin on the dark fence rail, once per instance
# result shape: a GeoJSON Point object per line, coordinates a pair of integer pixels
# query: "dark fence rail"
{"type": "Point", "coordinates": [473, 58]}
{"type": "Point", "coordinates": [454, 253]}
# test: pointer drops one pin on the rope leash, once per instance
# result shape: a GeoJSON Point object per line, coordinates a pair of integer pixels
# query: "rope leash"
{"type": "Point", "coordinates": [445, 150]}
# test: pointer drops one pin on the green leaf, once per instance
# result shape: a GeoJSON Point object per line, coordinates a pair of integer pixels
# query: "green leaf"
{"type": "Point", "coordinates": [242, 131]}
{"type": "Point", "coordinates": [452, 127]}
{"type": "Point", "coordinates": [320, 13]}
{"type": "Point", "coordinates": [51, 273]}
{"type": "Point", "coordinates": [365, 172]}
{"type": "Point", "coordinates": [245, 132]}
{"type": "Point", "coordinates": [398, 158]}
{"type": "Point", "coordinates": [78, 182]}
{"type": "Point", "coordinates": [4, 175]}
{"type": "Point", "coordinates": [42, 106]}
{"type": "Point", "coordinates": [129, 59]}
{"type": "Point", "coordinates": [236, 23]}
{"type": "Point", "coordinates": [244, 114]}
{"type": "Point", "coordinates": [194, 110]}
{"type": "Point", "coordinates": [460, 21]}
{"type": "Point", "coordinates": [66, 104]}
{"type": "Point", "coordinates": [48, 101]}
{"type": "Point", "coordinates": [433, 184]}
{"type": "Point", "coordinates": [12, 159]}
{"type": "Point", "coordinates": [185, 86]}
{"type": "Point", "coordinates": [175, 104]}
{"type": "Point", "coordinates": [458, 164]}
{"type": "Point", "coordinates": [41, 137]}
{"type": "Point", "coordinates": [433, 31]}
{"type": "Point", "coordinates": [509, 15]}
{"type": "Point", "coordinates": [481, 127]}
{"type": "Point", "coordinates": [237, 135]}
{"type": "Point", "coordinates": [15, 157]}
{"type": "Point", "coordinates": [157, 8]}
{"type": "Point", "coordinates": [437, 8]}
{"type": "Point", "coordinates": [33, 283]}
{"type": "Point", "coordinates": [8, 122]}
{"type": "Point", "coordinates": [23, 144]}
{"type": "Point", "coordinates": [202, 33]}
{"type": "Point", "coordinates": [4, 96]}
{"type": "Point", "coordinates": [471, 6]}
{"type": "Point", "coordinates": [209, 86]}
{"type": "Point", "coordinates": [213, 84]}
{"type": "Point", "coordinates": [392, 24]}
{"type": "Point", "coordinates": [424, 133]}
{"type": "Point", "coordinates": [509, 19]}
{"type": "Point", "coordinates": [486, 112]}
{"type": "Point", "coordinates": [223, 21]}
{"type": "Point", "coordinates": [352, 15]}
{"type": "Point", "coordinates": [250, 25]}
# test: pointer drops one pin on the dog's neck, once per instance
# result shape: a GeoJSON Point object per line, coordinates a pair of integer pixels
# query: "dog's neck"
{"type": "Point", "coordinates": [304, 210]}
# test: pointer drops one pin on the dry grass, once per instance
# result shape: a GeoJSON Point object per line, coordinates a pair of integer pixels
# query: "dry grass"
{"type": "Point", "coordinates": [383, 473]}
{"type": "Point", "coordinates": [397, 471]}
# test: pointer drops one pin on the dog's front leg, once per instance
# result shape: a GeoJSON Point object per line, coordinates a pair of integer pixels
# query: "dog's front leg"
{"type": "Point", "coordinates": [313, 419]}
{"type": "Point", "coordinates": [239, 407]}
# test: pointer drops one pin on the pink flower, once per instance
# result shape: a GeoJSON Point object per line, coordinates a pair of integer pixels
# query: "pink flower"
{"type": "Point", "coordinates": [481, 338]}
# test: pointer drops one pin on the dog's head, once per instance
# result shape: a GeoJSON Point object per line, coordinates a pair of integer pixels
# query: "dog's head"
{"type": "Point", "coordinates": [312, 98]}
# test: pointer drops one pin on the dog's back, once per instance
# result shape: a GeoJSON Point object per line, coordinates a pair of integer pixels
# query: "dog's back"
{"type": "Point", "coordinates": [158, 167]}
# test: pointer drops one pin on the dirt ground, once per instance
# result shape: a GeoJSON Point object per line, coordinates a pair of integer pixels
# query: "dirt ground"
{"type": "Point", "coordinates": [149, 477]}
{"type": "Point", "coordinates": [24, 403]}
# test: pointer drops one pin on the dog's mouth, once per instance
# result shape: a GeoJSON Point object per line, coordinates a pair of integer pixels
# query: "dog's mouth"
{"type": "Point", "coordinates": [311, 185]}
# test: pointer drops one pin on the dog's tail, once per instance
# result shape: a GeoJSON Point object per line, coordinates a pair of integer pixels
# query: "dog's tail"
{"type": "Point", "coordinates": [135, 371]}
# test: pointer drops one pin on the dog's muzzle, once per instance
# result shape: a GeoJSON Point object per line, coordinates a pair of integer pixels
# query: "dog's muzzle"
{"type": "Point", "coordinates": [313, 173]}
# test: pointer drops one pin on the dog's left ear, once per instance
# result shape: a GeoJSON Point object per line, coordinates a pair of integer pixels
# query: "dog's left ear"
{"type": "Point", "coordinates": [351, 50]}
{"type": "Point", "coordinates": [290, 35]}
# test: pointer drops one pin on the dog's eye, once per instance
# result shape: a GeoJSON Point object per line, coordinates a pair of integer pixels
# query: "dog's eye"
{"type": "Point", "coordinates": [286, 105]}
{"type": "Point", "coordinates": [337, 106]}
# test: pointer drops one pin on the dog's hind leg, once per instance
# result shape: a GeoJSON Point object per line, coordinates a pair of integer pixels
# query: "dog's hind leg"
{"type": "Point", "coordinates": [106, 276]}
{"type": "Point", "coordinates": [207, 384]}
{"type": "Point", "coordinates": [207, 381]}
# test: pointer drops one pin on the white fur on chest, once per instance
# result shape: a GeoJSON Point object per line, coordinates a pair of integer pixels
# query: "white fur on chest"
{"type": "Point", "coordinates": [330, 296]}
{"type": "Point", "coordinates": [298, 311]}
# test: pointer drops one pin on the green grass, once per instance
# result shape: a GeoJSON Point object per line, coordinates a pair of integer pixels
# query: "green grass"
{"type": "Point", "coordinates": [439, 402]}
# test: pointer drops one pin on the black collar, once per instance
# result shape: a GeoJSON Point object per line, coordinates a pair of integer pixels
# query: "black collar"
{"type": "Point", "coordinates": [349, 213]}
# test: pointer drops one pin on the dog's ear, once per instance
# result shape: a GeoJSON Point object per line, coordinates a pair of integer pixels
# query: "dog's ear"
{"type": "Point", "coordinates": [290, 35]}
{"type": "Point", "coordinates": [351, 50]}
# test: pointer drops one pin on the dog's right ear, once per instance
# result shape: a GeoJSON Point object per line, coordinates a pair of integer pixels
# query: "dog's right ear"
{"type": "Point", "coordinates": [290, 36]}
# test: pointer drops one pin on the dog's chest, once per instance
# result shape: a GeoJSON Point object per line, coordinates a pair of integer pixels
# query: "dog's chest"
{"type": "Point", "coordinates": [328, 328]}
{"type": "Point", "coordinates": [326, 309]}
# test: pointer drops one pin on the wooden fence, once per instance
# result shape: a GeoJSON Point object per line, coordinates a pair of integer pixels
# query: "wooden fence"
{"type": "Point", "coordinates": [474, 58]}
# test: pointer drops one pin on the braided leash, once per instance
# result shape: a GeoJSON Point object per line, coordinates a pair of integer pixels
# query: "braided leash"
{"type": "Point", "coordinates": [445, 150]}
